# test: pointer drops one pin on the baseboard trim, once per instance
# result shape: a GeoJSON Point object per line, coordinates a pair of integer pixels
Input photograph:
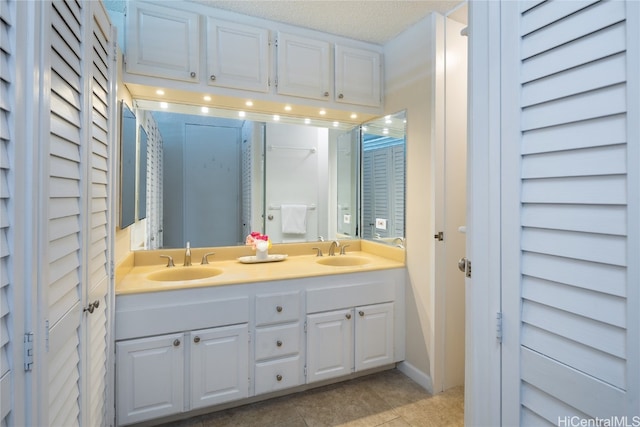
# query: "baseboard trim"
{"type": "Point", "coordinates": [416, 375]}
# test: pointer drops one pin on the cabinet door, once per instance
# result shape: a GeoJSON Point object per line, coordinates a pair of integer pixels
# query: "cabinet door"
{"type": "Point", "coordinates": [329, 345]}
{"type": "Point", "coordinates": [149, 378]}
{"type": "Point", "coordinates": [357, 76]}
{"type": "Point", "coordinates": [162, 42]}
{"type": "Point", "coordinates": [219, 368]}
{"type": "Point", "coordinates": [303, 67]}
{"type": "Point", "coordinates": [374, 336]}
{"type": "Point", "coordinates": [237, 56]}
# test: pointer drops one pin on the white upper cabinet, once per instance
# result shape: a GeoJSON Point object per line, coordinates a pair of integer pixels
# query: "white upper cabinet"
{"type": "Point", "coordinates": [162, 42]}
{"type": "Point", "coordinates": [304, 67]}
{"type": "Point", "coordinates": [357, 76]}
{"type": "Point", "coordinates": [237, 56]}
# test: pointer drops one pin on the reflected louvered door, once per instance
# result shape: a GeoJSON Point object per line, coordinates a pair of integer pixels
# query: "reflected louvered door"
{"type": "Point", "coordinates": [570, 180]}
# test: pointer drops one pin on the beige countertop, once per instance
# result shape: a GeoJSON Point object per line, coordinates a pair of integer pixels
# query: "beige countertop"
{"type": "Point", "coordinates": [131, 274]}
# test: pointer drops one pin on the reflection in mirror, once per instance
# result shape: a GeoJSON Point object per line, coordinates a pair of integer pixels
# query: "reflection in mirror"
{"type": "Point", "coordinates": [127, 166]}
{"type": "Point", "coordinates": [223, 178]}
{"type": "Point", "coordinates": [142, 175]}
{"type": "Point", "coordinates": [383, 179]}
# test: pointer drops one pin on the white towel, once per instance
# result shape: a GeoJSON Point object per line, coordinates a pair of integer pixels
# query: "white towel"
{"type": "Point", "coordinates": [294, 219]}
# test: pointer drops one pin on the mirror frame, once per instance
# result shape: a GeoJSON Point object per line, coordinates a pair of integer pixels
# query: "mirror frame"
{"type": "Point", "coordinates": [128, 168]}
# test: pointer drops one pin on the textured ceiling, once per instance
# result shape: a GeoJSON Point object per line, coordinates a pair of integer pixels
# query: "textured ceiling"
{"type": "Point", "coordinates": [374, 21]}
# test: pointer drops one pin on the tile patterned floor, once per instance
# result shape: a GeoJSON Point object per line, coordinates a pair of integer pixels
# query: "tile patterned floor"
{"type": "Point", "coordinates": [387, 399]}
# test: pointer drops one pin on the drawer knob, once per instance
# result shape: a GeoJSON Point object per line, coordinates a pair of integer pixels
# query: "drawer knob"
{"type": "Point", "coordinates": [361, 313]}
{"type": "Point", "coordinates": [326, 94]}
{"type": "Point", "coordinates": [213, 77]}
{"type": "Point", "coordinates": [196, 339]}
{"type": "Point", "coordinates": [279, 343]}
{"type": "Point", "coordinates": [340, 96]}
{"type": "Point", "coordinates": [192, 74]}
{"type": "Point", "coordinates": [348, 316]}
{"type": "Point", "coordinates": [279, 377]}
{"type": "Point", "coordinates": [279, 309]}
{"type": "Point", "coordinates": [176, 342]}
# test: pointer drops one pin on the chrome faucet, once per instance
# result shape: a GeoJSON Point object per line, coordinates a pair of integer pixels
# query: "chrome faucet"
{"type": "Point", "coordinates": [187, 255]}
{"type": "Point", "coordinates": [399, 242]}
{"type": "Point", "coordinates": [332, 248]}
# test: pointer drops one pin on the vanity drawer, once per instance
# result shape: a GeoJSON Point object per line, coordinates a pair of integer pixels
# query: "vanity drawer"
{"type": "Point", "coordinates": [278, 341]}
{"type": "Point", "coordinates": [278, 374]}
{"type": "Point", "coordinates": [277, 308]}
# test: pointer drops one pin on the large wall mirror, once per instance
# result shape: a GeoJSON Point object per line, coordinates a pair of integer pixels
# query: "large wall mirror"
{"type": "Point", "coordinates": [223, 177]}
{"type": "Point", "coordinates": [128, 166]}
{"type": "Point", "coordinates": [383, 179]}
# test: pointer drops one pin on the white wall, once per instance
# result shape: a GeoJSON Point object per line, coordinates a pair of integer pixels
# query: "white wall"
{"type": "Point", "coordinates": [409, 82]}
{"type": "Point", "coordinates": [435, 194]}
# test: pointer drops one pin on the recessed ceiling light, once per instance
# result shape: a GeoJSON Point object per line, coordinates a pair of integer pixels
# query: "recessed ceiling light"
{"type": "Point", "coordinates": [164, 105]}
{"type": "Point", "coordinates": [287, 108]}
{"type": "Point", "coordinates": [207, 98]}
{"type": "Point", "coordinates": [336, 124]}
{"type": "Point", "coordinates": [276, 117]}
{"type": "Point", "coordinates": [159, 92]}
{"type": "Point", "coordinates": [322, 112]}
{"type": "Point", "coordinates": [242, 113]}
{"type": "Point", "coordinates": [404, 121]}
{"type": "Point", "coordinates": [307, 121]}
{"type": "Point", "coordinates": [354, 116]}
{"type": "Point", "coordinates": [388, 121]}
{"type": "Point", "coordinates": [364, 128]}
{"type": "Point", "coordinates": [205, 109]}
{"type": "Point", "coordinates": [385, 131]}
{"type": "Point", "coordinates": [249, 103]}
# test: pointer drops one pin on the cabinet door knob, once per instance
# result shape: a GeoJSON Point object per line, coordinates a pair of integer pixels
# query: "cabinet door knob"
{"type": "Point", "coordinates": [176, 342]}
{"type": "Point", "coordinates": [348, 315]}
{"type": "Point", "coordinates": [279, 309]}
{"type": "Point", "coordinates": [193, 74]}
{"type": "Point", "coordinates": [361, 313]}
{"type": "Point", "coordinates": [340, 96]}
{"type": "Point", "coordinates": [196, 339]}
{"type": "Point", "coordinates": [279, 377]}
{"type": "Point", "coordinates": [326, 94]}
{"type": "Point", "coordinates": [279, 343]}
{"type": "Point", "coordinates": [212, 77]}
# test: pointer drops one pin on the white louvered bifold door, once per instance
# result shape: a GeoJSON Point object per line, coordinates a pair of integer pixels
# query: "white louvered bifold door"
{"type": "Point", "coordinates": [100, 179]}
{"type": "Point", "coordinates": [7, 140]}
{"type": "Point", "coordinates": [570, 211]}
{"type": "Point", "coordinates": [76, 201]}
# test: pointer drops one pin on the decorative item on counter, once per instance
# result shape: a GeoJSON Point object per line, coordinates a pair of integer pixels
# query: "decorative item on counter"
{"type": "Point", "coordinates": [260, 243]}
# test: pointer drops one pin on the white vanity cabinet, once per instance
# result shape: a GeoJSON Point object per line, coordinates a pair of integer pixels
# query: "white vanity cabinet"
{"type": "Point", "coordinates": [279, 335]}
{"type": "Point", "coordinates": [358, 78]}
{"type": "Point", "coordinates": [150, 377]}
{"type": "Point", "coordinates": [162, 42]}
{"type": "Point", "coordinates": [219, 365]}
{"type": "Point", "coordinates": [343, 337]}
{"type": "Point", "coordinates": [303, 67]}
{"type": "Point", "coordinates": [237, 56]}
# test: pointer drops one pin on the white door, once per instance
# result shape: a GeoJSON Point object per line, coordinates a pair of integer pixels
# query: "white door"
{"type": "Point", "coordinates": [219, 365]}
{"type": "Point", "coordinates": [150, 378]}
{"type": "Point", "coordinates": [569, 209]}
{"type": "Point", "coordinates": [212, 184]}
{"type": "Point", "coordinates": [237, 56]}
{"type": "Point", "coordinates": [304, 67]}
{"type": "Point", "coordinates": [329, 345]}
{"type": "Point", "coordinates": [374, 340]}
{"type": "Point", "coordinates": [358, 76]}
{"type": "Point", "coordinates": [162, 42]}
{"type": "Point", "coordinates": [295, 161]}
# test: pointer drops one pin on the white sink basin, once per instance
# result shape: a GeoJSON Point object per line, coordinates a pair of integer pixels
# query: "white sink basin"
{"type": "Point", "coordinates": [180, 274]}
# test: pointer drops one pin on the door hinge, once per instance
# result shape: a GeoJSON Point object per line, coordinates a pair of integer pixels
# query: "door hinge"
{"type": "Point", "coordinates": [275, 82]}
{"type": "Point", "coordinates": [112, 270]}
{"type": "Point", "coordinates": [439, 236]}
{"type": "Point", "coordinates": [305, 371]}
{"type": "Point", "coordinates": [305, 327]}
{"type": "Point", "coordinates": [499, 327]}
{"type": "Point", "coordinates": [28, 351]}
